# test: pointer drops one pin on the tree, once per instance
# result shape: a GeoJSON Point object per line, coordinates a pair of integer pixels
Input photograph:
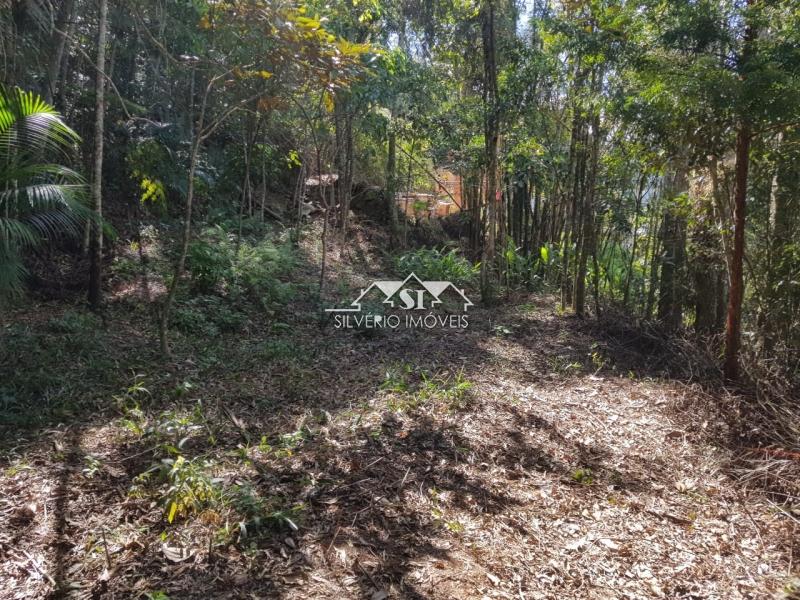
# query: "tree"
{"type": "Point", "coordinates": [38, 200]}
{"type": "Point", "coordinates": [492, 194]}
{"type": "Point", "coordinates": [673, 244]}
{"type": "Point", "coordinates": [299, 51]}
{"type": "Point", "coordinates": [96, 245]}
{"type": "Point", "coordinates": [58, 43]}
{"type": "Point", "coordinates": [586, 135]}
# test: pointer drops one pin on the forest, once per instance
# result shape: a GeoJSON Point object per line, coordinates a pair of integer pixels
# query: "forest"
{"type": "Point", "coordinates": [400, 299]}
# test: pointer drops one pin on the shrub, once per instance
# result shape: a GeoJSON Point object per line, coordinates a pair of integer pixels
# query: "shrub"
{"type": "Point", "coordinates": [40, 198]}
{"type": "Point", "coordinates": [253, 268]}
{"type": "Point", "coordinates": [187, 488]}
{"type": "Point", "coordinates": [208, 316]}
{"type": "Point", "coordinates": [190, 488]}
{"type": "Point", "coordinates": [438, 265]}
{"type": "Point", "coordinates": [258, 266]}
{"type": "Point", "coordinates": [210, 260]}
{"type": "Point", "coordinates": [124, 267]}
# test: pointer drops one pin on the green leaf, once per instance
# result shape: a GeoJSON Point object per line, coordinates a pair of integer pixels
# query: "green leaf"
{"type": "Point", "coordinates": [173, 509]}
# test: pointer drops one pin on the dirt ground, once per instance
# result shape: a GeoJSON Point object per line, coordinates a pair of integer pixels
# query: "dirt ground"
{"type": "Point", "coordinates": [519, 458]}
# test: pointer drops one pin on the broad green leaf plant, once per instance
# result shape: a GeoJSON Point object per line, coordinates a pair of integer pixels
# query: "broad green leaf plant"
{"type": "Point", "coordinates": [40, 198]}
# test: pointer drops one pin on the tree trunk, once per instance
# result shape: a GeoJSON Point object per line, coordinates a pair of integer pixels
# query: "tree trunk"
{"type": "Point", "coordinates": [347, 185]}
{"type": "Point", "coordinates": [526, 218]}
{"type": "Point", "coordinates": [655, 263]}
{"type": "Point", "coordinates": [570, 206]}
{"type": "Point", "coordinates": [705, 265]}
{"type": "Point", "coordinates": [671, 286]}
{"type": "Point", "coordinates": [780, 262]}
{"type": "Point", "coordinates": [200, 133]}
{"type": "Point", "coordinates": [733, 323]}
{"type": "Point", "coordinates": [722, 213]}
{"type": "Point", "coordinates": [58, 41]}
{"type": "Point", "coordinates": [667, 293]}
{"type": "Point", "coordinates": [719, 300]}
{"type": "Point", "coordinates": [166, 307]}
{"type": "Point", "coordinates": [96, 254]}
{"type": "Point", "coordinates": [492, 192]}
{"type": "Point", "coordinates": [409, 180]}
{"type": "Point", "coordinates": [536, 218]}
{"type": "Point", "coordinates": [343, 130]}
{"type": "Point", "coordinates": [391, 188]}
{"type": "Point", "coordinates": [262, 188]}
{"type": "Point", "coordinates": [632, 258]}
{"type": "Point", "coordinates": [587, 233]}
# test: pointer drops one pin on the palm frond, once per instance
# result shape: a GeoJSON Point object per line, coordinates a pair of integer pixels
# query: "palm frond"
{"type": "Point", "coordinates": [39, 200]}
{"type": "Point", "coordinates": [28, 125]}
{"type": "Point", "coordinates": [54, 223]}
{"type": "Point", "coordinates": [17, 171]}
{"type": "Point", "coordinates": [41, 196]}
{"type": "Point", "coordinates": [16, 234]}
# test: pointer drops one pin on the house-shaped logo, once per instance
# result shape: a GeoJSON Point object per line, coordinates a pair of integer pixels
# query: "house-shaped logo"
{"type": "Point", "coordinates": [409, 294]}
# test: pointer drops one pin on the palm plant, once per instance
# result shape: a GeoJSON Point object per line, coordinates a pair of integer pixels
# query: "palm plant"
{"type": "Point", "coordinates": [40, 198]}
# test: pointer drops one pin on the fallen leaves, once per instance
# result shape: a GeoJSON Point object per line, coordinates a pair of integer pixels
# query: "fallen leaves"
{"type": "Point", "coordinates": [655, 518]}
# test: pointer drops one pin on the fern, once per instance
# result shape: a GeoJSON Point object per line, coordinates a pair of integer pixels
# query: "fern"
{"type": "Point", "coordinates": [437, 265]}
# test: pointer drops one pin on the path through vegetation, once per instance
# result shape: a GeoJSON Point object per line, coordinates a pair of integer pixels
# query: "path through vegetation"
{"type": "Point", "coordinates": [520, 458]}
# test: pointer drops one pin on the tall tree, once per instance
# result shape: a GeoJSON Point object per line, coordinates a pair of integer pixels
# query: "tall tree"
{"type": "Point", "coordinates": [733, 323]}
{"type": "Point", "coordinates": [671, 285]}
{"type": "Point", "coordinates": [96, 245]}
{"type": "Point", "coordinates": [58, 43]}
{"type": "Point", "coordinates": [491, 141]}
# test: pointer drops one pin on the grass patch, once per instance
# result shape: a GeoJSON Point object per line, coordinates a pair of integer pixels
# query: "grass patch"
{"type": "Point", "coordinates": [280, 350]}
{"type": "Point", "coordinates": [583, 476]}
{"type": "Point", "coordinates": [259, 513]}
{"type": "Point", "coordinates": [409, 389]}
{"type": "Point", "coordinates": [52, 370]}
{"type": "Point", "coordinates": [208, 316]}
